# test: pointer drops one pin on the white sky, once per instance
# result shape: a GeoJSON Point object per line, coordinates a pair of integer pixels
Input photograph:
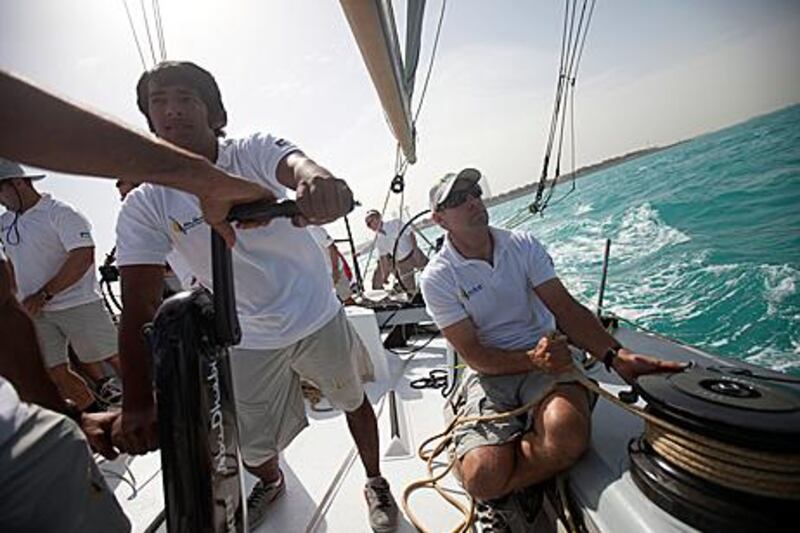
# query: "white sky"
{"type": "Point", "coordinates": [652, 73]}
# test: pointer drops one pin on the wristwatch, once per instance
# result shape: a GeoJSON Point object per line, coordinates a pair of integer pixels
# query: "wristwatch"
{"type": "Point", "coordinates": [609, 356]}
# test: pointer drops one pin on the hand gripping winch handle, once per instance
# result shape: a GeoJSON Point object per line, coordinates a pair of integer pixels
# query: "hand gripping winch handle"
{"type": "Point", "coordinates": [263, 211]}
{"type": "Point", "coordinates": [266, 210]}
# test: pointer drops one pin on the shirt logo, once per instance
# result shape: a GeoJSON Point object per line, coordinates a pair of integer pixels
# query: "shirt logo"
{"type": "Point", "coordinates": [466, 294]}
{"type": "Point", "coordinates": [184, 227]}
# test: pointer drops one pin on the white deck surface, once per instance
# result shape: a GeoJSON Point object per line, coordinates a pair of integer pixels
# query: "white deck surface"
{"type": "Point", "coordinates": [325, 477]}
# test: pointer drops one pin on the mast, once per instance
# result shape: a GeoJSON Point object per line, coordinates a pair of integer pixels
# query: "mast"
{"type": "Point", "coordinates": [373, 26]}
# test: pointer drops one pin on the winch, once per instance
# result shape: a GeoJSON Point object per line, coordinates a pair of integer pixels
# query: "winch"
{"type": "Point", "coordinates": [729, 457]}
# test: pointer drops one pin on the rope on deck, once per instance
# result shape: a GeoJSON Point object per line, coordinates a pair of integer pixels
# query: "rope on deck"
{"type": "Point", "coordinates": [750, 471]}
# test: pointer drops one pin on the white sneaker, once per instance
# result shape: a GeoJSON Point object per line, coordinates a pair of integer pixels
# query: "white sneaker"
{"type": "Point", "coordinates": [109, 391]}
{"type": "Point", "coordinates": [381, 505]}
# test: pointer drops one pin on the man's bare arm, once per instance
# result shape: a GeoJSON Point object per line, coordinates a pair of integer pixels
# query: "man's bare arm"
{"type": "Point", "coordinates": [578, 323]}
{"type": "Point", "coordinates": [73, 268]}
{"type": "Point", "coordinates": [484, 359]}
{"type": "Point", "coordinates": [78, 261]}
{"type": "Point", "coordinates": [321, 196]}
{"type": "Point", "coordinates": [141, 295]}
{"type": "Point", "coordinates": [20, 358]}
{"type": "Point", "coordinates": [585, 331]}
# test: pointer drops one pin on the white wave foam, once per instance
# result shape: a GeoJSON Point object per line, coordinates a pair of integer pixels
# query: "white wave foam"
{"type": "Point", "coordinates": [642, 233]}
{"type": "Point", "coordinates": [582, 209]}
{"type": "Point", "coordinates": [780, 282]}
{"type": "Point", "coordinates": [775, 359]}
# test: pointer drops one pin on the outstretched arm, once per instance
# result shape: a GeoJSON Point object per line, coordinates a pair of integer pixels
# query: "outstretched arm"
{"type": "Point", "coordinates": [41, 129]}
{"type": "Point", "coordinates": [585, 331]}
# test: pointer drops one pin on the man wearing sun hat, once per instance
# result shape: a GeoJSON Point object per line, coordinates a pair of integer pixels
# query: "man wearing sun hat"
{"type": "Point", "coordinates": [49, 245]}
{"type": "Point", "coordinates": [495, 296]}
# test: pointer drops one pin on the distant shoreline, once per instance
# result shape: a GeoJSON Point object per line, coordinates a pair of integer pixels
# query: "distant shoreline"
{"type": "Point", "coordinates": [530, 188]}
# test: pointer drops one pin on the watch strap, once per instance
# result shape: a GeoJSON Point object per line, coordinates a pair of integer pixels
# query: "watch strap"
{"type": "Point", "coordinates": [609, 356]}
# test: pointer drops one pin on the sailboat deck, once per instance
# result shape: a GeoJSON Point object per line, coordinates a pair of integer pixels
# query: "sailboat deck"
{"type": "Point", "coordinates": [325, 478]}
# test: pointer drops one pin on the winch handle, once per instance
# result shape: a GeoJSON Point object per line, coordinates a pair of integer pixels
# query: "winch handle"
{"type": "Point", "coordinates": [265, 210]}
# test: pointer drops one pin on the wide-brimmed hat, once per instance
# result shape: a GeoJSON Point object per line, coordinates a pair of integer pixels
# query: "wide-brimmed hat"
{"type": "Point", "coordinates": [453, 182]}
{"type": "Point", "coordinates": [9, 169]}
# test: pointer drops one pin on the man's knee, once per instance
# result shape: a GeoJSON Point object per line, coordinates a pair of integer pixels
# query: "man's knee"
{"type": "Point", "coordinates": [567, 435]}
{"type": "Point", "coordinates": [485, 471]}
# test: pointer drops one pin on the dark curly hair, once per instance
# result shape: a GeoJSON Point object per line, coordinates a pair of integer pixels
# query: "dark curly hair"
{"type": "Point", "coordinates": [190, 75]}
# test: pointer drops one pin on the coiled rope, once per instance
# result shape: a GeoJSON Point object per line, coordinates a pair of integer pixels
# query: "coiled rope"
{"type": "Point", "coordinates": [760, 473]}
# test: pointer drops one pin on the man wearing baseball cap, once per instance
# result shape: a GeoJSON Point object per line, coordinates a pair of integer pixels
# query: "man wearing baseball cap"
{"type": "Point", "coordinates": [495, 296]}
{"type": "Point", "coordinates": [50, 248]}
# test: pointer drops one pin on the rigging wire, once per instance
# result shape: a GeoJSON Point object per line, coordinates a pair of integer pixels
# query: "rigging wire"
{"type": "Point", "coordinates": [430, 63]}
{"type": "Point", "coordinates": [574, 33]}
{"type": "Point", "coordinates": [162, 43]}
{"type": "Point", "coordinates": [147, 31]}
{"type": "Point", "coordinates": [133, 32]}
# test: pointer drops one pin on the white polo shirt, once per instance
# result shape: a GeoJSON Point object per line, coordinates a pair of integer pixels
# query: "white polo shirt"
{"type": "Point", "coordinates": [324, 241]}
{"type": "Point", "coordinates": [48, 231]}
{"type": "Point", "coordinates": [499, 298]}
{"type": "Point", "coordinates": [387, 235]}
{"type": "Point", "coordinates": [283, 290]}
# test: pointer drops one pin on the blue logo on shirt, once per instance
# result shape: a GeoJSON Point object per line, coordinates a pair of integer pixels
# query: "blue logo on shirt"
{"type": "Point", "coordinates": [466, 294]}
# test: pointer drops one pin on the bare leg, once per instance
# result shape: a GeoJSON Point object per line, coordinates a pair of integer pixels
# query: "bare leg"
{"type": "Point", "coordinates": [364, 428]}
{"type": "Point", "coordinates": [267, 471]}
{"type": "Point", "coordinates": [70, 385]}
{"type": "Point", "coordinates": [562, 431]}
{"type": "Point", "coordinates": [560, 436]}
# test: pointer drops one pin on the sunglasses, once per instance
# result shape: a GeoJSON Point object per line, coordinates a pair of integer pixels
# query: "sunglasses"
{"type": "Point", "coordinates": [457, 198]}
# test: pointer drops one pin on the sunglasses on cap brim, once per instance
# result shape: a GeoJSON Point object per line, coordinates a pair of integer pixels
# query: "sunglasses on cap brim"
{"type": "Point", "coordinates": [455, 199]}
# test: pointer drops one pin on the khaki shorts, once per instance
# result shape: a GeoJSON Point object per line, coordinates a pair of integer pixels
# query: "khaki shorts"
{"type": "Point", "coordinates": [50, 482]}
{"type": "Point", "coordinates": [269, 401]}
{"type": "Point", "coordinates": [407, 267]}
{"type": "Point", "coordinates": [88, 328]}
{"type": "Point", "coordinates": [491, 395]}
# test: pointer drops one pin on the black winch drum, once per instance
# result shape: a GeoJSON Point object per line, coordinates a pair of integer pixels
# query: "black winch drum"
{"type": "Point", "coordinates": [759, 412]}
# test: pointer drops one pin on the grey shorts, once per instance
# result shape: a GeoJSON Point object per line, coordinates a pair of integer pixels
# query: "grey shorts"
{"type": "Point", "coordinates": [490, 395]}
{"type": "Point", "coordinates": [269, 400]}
{"type": "Point", "coordinates": [50, 482]}
{"type": "Point", "coordinates": [87, 327]}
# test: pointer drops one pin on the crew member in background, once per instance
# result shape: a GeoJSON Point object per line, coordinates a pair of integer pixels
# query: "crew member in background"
{"type": "Point", "coordinates": [409, 257]}
{"type": "Point", "coordinates": [51, 252]}
{"type": "Point", "coordinates": [48, 478]}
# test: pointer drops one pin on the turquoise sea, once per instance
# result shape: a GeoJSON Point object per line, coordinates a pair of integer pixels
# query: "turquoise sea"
{"type": "Point", "coordinates": [705, 240]}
